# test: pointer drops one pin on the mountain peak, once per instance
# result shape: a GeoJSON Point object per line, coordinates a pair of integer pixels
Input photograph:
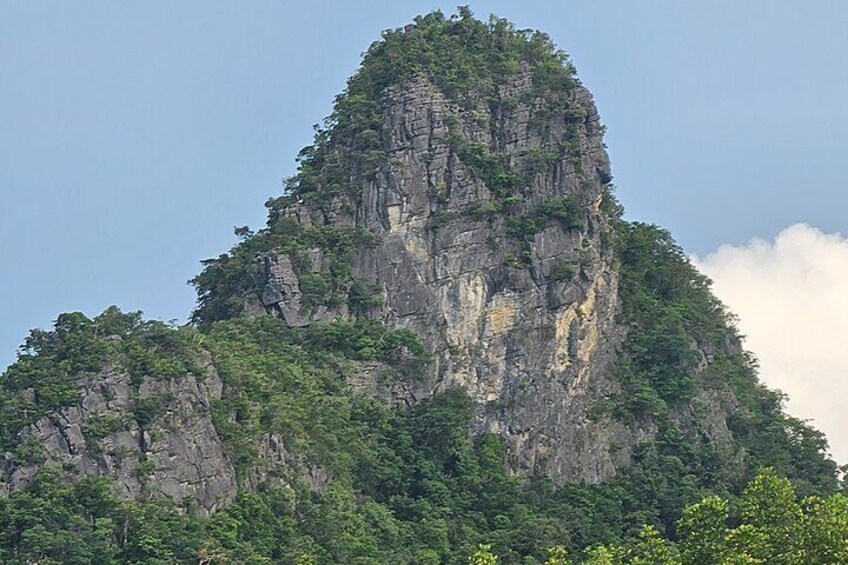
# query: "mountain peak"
{"type": "Point", "coordinates": [444, 333]}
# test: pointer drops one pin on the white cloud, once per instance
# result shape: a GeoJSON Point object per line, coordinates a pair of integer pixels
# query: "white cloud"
{"type": "Point", "coordinates": [791, 296]}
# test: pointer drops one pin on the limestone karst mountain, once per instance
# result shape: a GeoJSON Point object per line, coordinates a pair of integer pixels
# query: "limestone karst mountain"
{"type": "Point", "coordinates": [445, 302]}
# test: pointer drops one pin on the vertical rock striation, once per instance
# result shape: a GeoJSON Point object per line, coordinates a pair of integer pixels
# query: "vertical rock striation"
{"type": "Point", "coordinates": [515, 296]}
{"type": "Point", "coordinates": [155, 440]}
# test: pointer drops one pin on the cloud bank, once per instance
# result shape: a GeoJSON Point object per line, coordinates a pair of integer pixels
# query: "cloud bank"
{"type": "Point", "coordinates": [791, 296]}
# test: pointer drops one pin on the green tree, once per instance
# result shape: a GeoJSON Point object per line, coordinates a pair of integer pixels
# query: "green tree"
{"type": "Point", "coordinates": [769, 507]}
{"type": "Point", "coordinates": [605, 555]}
{"type": "Point", "coordinates": [652, 549]}
{"type": "Point", "coordinates": [483, 556]}
{"type": "Point", "coordinates": [825, 529]}
{"type": "Point", "coordinates": [702, 531]}
{"type": "Point", "coordinates": [557, 555]}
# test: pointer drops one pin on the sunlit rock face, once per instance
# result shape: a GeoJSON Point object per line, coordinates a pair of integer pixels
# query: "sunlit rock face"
{"type": "Point", "coordinates": [524, 322]}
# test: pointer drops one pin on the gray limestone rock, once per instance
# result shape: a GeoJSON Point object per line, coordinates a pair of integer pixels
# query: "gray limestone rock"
{"type": "Point", "coordinates": [155, 440]}
{"type": "Point", "coordinates": [535, 351]}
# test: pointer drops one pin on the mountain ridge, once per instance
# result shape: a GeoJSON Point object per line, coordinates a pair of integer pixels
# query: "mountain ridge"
{"type": "Point", "coordinates": [445, 300]}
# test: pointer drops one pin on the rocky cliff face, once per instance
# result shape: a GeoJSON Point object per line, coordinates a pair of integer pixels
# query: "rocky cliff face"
{"type": "Point", "coordinates": [155, 440]}
{"type": "Point", "coordinates": [520, 316]}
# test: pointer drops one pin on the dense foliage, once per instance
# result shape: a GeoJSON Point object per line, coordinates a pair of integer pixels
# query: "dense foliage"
{"type": "Point", "coordinates": [768, 525]}
{"type": "Point", "coordinates": [50, 364]}
{"type": "Point", "coordinates": [401, 485]}
{"type": "Point", "coordinates": [228, 280]}
{"type": "Point", "coordinates": [59, 521]}
{"type": "Point", "coordinates": [682, 341]}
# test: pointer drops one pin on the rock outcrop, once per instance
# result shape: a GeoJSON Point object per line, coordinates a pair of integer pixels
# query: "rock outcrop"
{"type": "Point", "coordinates": [155, 440]}
{"type": "Point", "coordinates": [523, 321]}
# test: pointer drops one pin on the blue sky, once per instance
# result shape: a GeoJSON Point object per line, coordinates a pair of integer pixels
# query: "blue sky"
{"type": "Point", "coordinates": [134, 136]}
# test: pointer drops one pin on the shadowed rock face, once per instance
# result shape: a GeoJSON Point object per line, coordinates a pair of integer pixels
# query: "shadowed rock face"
{"type": "Point", "coordinates": [171, 451]}
{"type": "Point", "coordinates": [523, 321]}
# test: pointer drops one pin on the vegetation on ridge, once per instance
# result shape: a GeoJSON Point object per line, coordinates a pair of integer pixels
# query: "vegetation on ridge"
{"type": "Point", "coordinates": [50, 364]}
{"type": "Point", "coordinates": [468, 60]}
{"type": "Point", "coordinates": [674, 322]}
{"type": "Point", "coordinates": [409, 485]}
